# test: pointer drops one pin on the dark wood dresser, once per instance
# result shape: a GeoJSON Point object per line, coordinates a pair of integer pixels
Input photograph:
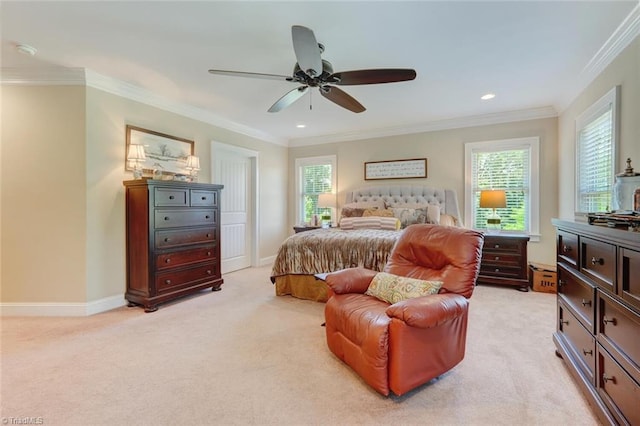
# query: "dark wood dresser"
{"type": "Point", "coordinates": [598, 330]}
{"type": "Point", "coordinates": [173, 240]}
{"type": "Point", "coordinates": [504, 261]}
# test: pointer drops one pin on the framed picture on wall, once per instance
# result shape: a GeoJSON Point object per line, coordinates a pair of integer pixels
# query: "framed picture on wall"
{"type": "Point", "coordinates": [162, 152]}
{"type": "Point", "coordinates": [396, 169]}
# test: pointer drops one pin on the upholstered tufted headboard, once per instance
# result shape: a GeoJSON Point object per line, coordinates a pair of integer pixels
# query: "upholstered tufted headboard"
{"type": "Point", "coordinates": [396, 196]}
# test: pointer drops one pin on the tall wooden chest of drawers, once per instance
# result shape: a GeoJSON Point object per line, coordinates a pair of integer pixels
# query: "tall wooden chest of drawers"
{"type": "Point", "coordinates": [598, 329]}
{"type": "Point", "coordinates": [173, 240]}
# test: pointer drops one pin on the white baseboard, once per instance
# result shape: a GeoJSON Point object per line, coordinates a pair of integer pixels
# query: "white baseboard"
{"type": "Point", "coordinates": [55, 309]}
{"type": "Point", "coordinates": [267, 260]}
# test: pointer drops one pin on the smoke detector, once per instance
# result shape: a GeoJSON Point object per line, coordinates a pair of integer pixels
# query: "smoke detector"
{"type": "Point", "coordinates": [25, 49]}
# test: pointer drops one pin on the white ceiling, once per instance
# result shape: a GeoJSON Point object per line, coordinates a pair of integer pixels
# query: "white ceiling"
{"type": "Point", "coordinates": [535, 56]}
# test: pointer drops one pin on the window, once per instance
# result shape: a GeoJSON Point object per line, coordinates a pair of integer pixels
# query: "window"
{"type": "Point", "coordinates": [509, 165]}
{"type": "Point", "coordinates": [596, 144]}
{"type": "Point", "coordinates": [315, 175]}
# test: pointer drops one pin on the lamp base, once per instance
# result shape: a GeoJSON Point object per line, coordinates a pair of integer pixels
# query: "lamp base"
{"type": "Point", "coordinates": [494, 224]}
{"type": "Point", "coordinates": [137, 173]}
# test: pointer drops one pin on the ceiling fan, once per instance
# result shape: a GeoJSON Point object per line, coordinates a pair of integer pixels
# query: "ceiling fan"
{"type": "Point", "coordinates": [313, 71]}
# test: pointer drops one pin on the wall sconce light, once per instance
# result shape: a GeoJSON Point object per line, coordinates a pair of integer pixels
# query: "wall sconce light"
{"type": "Point", "coordinates": [193, 165]}
{"type": "Point", "coordinates": [327, 200]}
{"type": "Point", "coordinates": [493, 199]}
{"type": "Point", "coordinates": [136, 157]}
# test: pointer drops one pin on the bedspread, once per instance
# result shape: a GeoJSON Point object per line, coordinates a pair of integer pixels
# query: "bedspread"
{"type": "Point", "coordinates": [328, 250]}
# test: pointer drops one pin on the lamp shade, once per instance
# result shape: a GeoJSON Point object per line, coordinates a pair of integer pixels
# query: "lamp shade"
{"type": "Point", "coordinates": [136, 153]}
{"type": "Point", "coordinates": [327, 200]}
{"type": "Point", "coordinates": [493, 199]}
{"type": "Point", "coordinates": [193, 162]}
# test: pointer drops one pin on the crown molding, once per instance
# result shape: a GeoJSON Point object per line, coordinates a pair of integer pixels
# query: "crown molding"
{"type": "Point", "coordinates": [447, 124]}
{"type": "Point", "coordinates": [136, 93]}
{"type": "Point", "coordinates": [87, 77]}
{"type": "Point", "coordinates": [624, 35]}
{"type": "Point", "coordinates": [42, 76]}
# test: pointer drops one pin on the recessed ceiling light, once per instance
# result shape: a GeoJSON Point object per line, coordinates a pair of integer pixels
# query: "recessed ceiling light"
{"type": "Point", "coordinates": [25, 49]}
{"type": "Point", "coordinates": [301, 126]}
{"type": "Point", "coordinates": [487, 96]}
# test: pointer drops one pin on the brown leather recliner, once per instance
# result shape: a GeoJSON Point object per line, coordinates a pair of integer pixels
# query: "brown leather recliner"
{"type": "Point", "coordinates": [401, 346]}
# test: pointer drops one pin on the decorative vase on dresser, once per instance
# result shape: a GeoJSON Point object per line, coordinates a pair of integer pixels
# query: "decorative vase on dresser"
{"type": "Point", "coordinates": [173, 245]}
{"type": "Point", "coordinates": [598, 329]}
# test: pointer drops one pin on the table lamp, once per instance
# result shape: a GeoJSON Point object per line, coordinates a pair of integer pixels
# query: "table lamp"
{"type": "Point", "coordinates": [136, 157]}
{"type": "Point", "coordinates": [193, 165]}
{"type": "Point", "coordinates": [326, 200]}
{"type": "Point", "coordinates": [493, 199]}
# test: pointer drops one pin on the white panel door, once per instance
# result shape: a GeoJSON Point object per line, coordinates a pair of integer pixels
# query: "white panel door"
{"type": "Point", "coordinates": [233, 170]}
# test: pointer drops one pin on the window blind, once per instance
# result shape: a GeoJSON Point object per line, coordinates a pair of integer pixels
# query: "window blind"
{"type": "Point", "coordinates": [595, 163]}
{"type": "Point", "coordinates": [508, 170]}
{"type": "Point", "coordinates": [316, 179]}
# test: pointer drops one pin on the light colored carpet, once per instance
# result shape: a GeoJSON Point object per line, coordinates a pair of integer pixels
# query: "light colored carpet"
{"type": "Point", "coordinates": [244, 356]}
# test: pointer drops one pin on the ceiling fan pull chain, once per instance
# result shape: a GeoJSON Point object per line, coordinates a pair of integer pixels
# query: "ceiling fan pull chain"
{"type": "Point", "coordinates": [310, 104]}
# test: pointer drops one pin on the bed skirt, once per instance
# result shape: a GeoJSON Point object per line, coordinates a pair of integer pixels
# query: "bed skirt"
{"type": "Point", "coordinates": [302, 286]}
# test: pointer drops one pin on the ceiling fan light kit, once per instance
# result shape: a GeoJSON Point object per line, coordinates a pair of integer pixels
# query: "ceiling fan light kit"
{"type": "Point", "coordinates": [313, 71]}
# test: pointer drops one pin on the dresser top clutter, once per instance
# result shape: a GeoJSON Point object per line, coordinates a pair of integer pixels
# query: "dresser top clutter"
{"type": "Point", "coordinates": [173, 240]}
{"type": "Point", "coordinates": [598, 316]}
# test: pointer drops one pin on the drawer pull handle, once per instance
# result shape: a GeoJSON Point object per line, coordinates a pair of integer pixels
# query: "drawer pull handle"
{"type": "Point", "coordinates": [607, 321]}
{"type": "Point", "coordinates": [167, 261]}
{"type": "Point", "coordinates": [595, 261]}
{"type": "Point", "coordinates": [587, 352]}
{"type": "Point", "coordinates": [167, 282]}
{"type": "Point", "coordinates": [611, 379]}
{"type": "Point", "coordinates": [496, 246]}
{"type": "Point", "coordinates": [497, 270]}
{"type": "Point", "coordinates": [208, 253]}
{"type": "Point", "coordinates": [497, 258]}
{"type": "Point", "coordinates": [564, 322]}
{"type": "Point", "coordinates": [204, 198]}
{"type": "Point", "coordinates": [566, 248]}
{"type": "Point", "coordinates": [208, 235]}
{"type": "Point", "coordinates": [208, 271]}
{"type": "Point", "coordinates": [167, 239]}
{"type": "Point", "coordinates": [560, 283]}
{"type": "Point", "coordinates": [586, 302]}
{"type": "Point", "coordinates": [171, 197]}
{"type": "Point", "coordinates": [166, 218]}
{"type": "Point", "coordinates": [207, 217]}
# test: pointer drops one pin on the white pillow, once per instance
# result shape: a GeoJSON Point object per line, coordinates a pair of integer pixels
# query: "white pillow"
{"type": "Point", "coordinates": [433, 214]}
{"type": "Point", "coordinates": [370, 222]}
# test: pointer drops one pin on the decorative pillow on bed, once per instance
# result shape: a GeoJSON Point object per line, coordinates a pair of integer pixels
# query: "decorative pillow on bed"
{"type": "Point", "coordinates": [393, 288]}
{"type": "Point", "coordinates": [371, 222]}
{"type": "Point", "coordinates": [433, 214]}
{"type": "Point", "coordinates": [410, 216]}
{"type": "Point", "coordinates": [352, 212]}
{"type": "Point", "coordinates": [378, 212]}
{"type": "Point", "coordinates": [448, 220]}
{"type": "Point", "coordinates": [377, 204]}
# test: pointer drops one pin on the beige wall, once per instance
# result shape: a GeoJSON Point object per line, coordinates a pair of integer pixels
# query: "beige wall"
{"type": "Point", "coordinates": [62, 169]}
{"type": "Point", "coordinates": [107, 116]}
{"type": "Point", "coordinates": [44, 194]}
{"type": "Point", "coordinates": [445, 153]}
{"type": "Point", "coordinates": [623, 71]}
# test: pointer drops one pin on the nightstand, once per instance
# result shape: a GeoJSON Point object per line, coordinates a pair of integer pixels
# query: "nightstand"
{"type": "Point", "coordinates": [298, 229]}
{"type": "Point", "coordinates": [504, 261]}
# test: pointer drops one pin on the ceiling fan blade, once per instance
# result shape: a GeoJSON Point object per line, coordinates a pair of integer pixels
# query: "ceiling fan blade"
{"type": "Point", "coordinates": [307, 50]}
{"type": "Point", "coordinates": [376, 76]}
{"type": "Point", "coordinates": [340, 97]}
{"type": "Point", "coordinates": [288, 99]}
{"type": "Point", "coordinates": [252, 75]}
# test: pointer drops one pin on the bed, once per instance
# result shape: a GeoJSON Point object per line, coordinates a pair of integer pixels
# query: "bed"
{"type": "Point", "coordinates": [358, 241]}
